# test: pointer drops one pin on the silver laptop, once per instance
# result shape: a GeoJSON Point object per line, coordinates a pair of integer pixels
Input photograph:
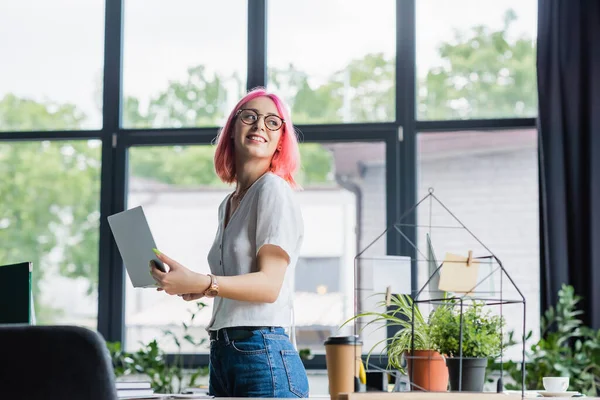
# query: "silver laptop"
{"type": "Point", "coordinates": [135, 242]}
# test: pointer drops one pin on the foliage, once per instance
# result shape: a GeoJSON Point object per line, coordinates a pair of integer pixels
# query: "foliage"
{"type": "Point", "coordinates": [199, 100]}
{"type": "Point", "coordinates": [164, 165]}
{"type": "Point", "coordinates": [399, 313]}
{"type": "Point", "coordinates": [50, 195]}
{"type": "Point", "coordinates": [150, 360]}
{"type": "Point", "coordinates": [305, 354]}
{"type": "Point", "coordinates": [440, 331]}
{"type": "Point", "coordinates": [19, 114]}
{"type": "Point", "coordinates": [363, 91]}
{"type": "Point", "coordinates": [481, 331]}
{"type": "Point", "coordinates": [565, 348]}
{"type": "Point", "coordinates": [44, 217]}
{"type": "Point", "coordinates": [482, 74]}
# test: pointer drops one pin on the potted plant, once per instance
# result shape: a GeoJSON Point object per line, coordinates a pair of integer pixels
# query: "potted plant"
{"type": "Point", "coordinates": [426, 367]}
{"type": "Point", "coordinates": [566, 347]}
{"type": "Point", "coordinates": [481, 340]}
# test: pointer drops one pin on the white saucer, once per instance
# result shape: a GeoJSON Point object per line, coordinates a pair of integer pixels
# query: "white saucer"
{"type": "Point", "coordinates": [557, 394]}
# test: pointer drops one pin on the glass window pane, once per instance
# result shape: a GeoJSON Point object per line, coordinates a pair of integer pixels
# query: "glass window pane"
{"type": "Point", "coordinates": [328, 68]}
{"type": "Point", "coordinates": [343, 211]}
{"type": "Point", "coordinates": [51, 74]}
{"type": "Point", "coordinates": [343, 205]}
{"type": "Point", "coordinates": [181, 209]}
{"type": "Point", "coordinates": [49, 215]}
{"type": "Point", "coordinates": [478, 61]}
{"type": "Point", "coordinates": [489, 181]}
{"type": "Point", "coordinates": [179, 67]}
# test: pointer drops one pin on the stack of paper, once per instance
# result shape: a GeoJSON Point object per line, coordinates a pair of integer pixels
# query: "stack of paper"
{"type": "Point", "coordinates": [133, 389]}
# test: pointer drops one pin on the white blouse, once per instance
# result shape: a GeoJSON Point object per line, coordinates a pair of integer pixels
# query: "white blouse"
{"type": "Point", "coordinates": [267, 214]}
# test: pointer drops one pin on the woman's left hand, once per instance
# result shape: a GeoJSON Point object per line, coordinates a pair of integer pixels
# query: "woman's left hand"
{"type": "Point", "coordinates": [179, 279]}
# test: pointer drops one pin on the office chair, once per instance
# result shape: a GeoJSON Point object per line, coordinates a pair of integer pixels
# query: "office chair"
{"type": "Point", "coordinates": [54, 362]}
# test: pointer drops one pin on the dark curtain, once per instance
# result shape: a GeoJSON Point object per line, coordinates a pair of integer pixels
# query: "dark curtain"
{"type": "Point", "coordinates": [568, 71]}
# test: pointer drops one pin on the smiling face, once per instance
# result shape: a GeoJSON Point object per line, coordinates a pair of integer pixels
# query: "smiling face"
{"type": "Point", "coordinates": [252, 136]}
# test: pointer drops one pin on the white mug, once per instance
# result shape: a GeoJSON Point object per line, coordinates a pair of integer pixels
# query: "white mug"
{"type": "Point", "coordinates": [556, 383]}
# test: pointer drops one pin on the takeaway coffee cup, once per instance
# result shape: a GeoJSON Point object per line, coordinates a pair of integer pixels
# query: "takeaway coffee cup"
{"type": "Point", "coordinates": [342, 354]}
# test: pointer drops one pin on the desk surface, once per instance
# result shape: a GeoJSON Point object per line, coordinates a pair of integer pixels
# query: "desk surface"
{"type": "Point", "coordinates": [198, 397]}
{"type": "Point", "coordinates": [444, 396]}
{"type": "Point", "coordinates": [399, 396]}
{"type": "Point", "coordinates": [157, 397]}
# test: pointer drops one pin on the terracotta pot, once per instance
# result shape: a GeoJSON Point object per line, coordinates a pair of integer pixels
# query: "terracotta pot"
{"type": "Point", "coordinates": [427, 371]}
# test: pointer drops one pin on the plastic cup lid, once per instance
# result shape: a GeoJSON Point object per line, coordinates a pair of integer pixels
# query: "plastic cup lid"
{"type": "Point", "coordinates": [353, 340]}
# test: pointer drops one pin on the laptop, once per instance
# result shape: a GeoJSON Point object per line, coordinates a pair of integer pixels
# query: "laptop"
{"type": "Point", "coordinates": [135, 242]}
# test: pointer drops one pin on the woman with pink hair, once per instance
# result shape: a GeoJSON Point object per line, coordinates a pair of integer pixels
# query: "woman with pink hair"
{"type": "Point", "coordinates": [253, 257]}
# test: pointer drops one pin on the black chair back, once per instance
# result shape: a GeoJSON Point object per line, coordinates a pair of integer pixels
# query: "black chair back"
{"type": "Point", "coordinates": [54, 362]}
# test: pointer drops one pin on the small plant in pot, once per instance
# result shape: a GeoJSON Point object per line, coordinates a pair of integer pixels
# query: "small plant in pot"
{"type": "Point", "coordinates": [566, 347]}
{"type": "Point", "coordinates": [426, 367]}
{"type": "Point", "coordinates": [481, 340]}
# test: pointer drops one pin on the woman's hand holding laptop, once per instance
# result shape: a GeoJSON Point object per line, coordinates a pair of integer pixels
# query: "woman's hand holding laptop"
{"type": "Point", "coordinates": [179, 280]}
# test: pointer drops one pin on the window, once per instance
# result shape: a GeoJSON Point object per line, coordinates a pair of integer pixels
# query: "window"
{"type": "Point", "coordinates": [49, 215]}
{"type": "Point", "coordinates": [328, 67]}
{"type": "Point", "coordinates": [318, 274]}
{"type": "Point", "coordinates": [51, 74]}
{"type": "Point", "coordinates": [179, 69]}
{"type": "Point", "coordinates": [476, 59]}
{"type": "Point", "coordinates": [180, 193]}
{"type": "Point", "coordinates": [343, 206]}
{"type": "Point", "coordinates": [489, 180]}
{"type": "Point", "coordinates": [184, 65]}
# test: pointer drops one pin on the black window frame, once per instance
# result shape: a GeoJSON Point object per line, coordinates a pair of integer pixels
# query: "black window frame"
{"type": "Point", "coordinates": [399, 137]}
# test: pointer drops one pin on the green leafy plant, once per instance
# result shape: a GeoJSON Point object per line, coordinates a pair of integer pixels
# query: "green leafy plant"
{"type": "Point", "coordinates": [151, 360]}
{"type": "Point", "coordinates": [566, 348]}
{"type": "Point", "coordinates": [400, 313]}
{"type": "Point", "coordinates": [481, 331]}
{"type": "Point", "coordinates": [306, 354]}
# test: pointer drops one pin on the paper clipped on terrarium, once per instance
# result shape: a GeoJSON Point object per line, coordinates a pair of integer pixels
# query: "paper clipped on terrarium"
{"type": "Point", "coordinates": [459, 273]}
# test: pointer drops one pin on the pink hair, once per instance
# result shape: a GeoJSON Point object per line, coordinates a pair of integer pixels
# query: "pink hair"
{"type": "Point", "coordinates": [285, 162]}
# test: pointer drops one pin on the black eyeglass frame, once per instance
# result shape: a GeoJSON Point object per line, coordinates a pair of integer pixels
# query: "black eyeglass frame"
{"type": "Point", "coordinates": [258, 116]}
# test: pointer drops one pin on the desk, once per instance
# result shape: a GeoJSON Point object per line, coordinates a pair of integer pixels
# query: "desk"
{"type": "Point", "coordinates": [444, 396]}
{"type": "Point", "coordinates": [216, 398]}
{"type": "Point", "coordinates": [181, 397]}
{"type": "Point", "coordinates": [409, 396]}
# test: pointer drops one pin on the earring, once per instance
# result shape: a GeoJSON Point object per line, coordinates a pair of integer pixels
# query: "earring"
{"type": "Point", "coordinates": [279, 148]}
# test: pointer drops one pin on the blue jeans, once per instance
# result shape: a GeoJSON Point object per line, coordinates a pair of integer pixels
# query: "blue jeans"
{"type": "Point", "coordinates": [262, 363]}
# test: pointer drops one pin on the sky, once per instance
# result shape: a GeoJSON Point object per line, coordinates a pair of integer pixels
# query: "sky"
{"type": "Point", "coordinates": [53, 49]}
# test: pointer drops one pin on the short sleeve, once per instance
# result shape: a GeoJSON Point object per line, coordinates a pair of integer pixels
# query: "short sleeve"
{"type": "Point", "coordinates": [279, 220]}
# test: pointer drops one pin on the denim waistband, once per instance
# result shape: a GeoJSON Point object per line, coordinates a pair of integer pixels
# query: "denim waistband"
{"type": "Point", "coordinates": [238, 332]}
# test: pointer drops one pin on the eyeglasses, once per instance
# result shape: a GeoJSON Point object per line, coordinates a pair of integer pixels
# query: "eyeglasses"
{"type": "Point", "coordinates": [250, 117]}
